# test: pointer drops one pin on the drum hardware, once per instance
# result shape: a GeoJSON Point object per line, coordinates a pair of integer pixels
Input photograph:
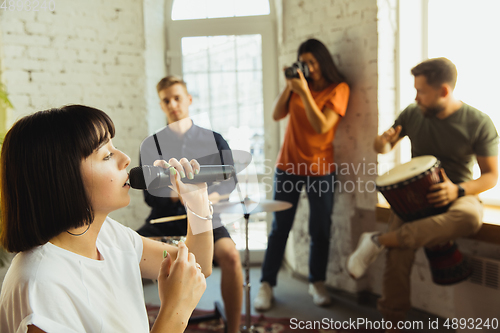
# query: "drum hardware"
{"type": "Point", "coordinates": [241, 160]}
{"type": "Point", "coordinates": [405, 188]}
{"type": "Point", "coordinates": [246, 207]}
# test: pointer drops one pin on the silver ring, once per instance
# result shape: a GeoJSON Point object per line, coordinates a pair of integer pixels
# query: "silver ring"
{"type": "Point", "coordinates": [198, 266]}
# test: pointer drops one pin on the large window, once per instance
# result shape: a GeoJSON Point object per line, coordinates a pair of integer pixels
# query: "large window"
{"type": "Point", "coordinates": [463, 31]}
{"type": "Point", "coordinates": [470, 43]}
{"type": "Point", "coordinates": [225, 79]}
{"type": "Point", "coordinates": [225, 51]}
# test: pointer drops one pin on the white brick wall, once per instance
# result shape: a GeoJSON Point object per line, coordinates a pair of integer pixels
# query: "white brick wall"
{"type": "Point", "coordinates": [86, 51]}
{"type": "Point", "coordinates": [361, 35]}
{"type": "Point", "coordinates": [154, 16]}
{"type": "Point", "coordinates": [109, 54]}
{"type": "Point", "coordinates": [387, 31]}
{"type": "Point", "coordinates": [349, 30]}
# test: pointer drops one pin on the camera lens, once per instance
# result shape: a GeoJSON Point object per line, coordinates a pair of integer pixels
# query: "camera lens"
{"type": "Point", "coordinates": [291, 72]}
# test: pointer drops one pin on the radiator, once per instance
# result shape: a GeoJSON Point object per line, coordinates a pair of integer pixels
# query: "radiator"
{"type": "Point", "coordinates": [478, 299]}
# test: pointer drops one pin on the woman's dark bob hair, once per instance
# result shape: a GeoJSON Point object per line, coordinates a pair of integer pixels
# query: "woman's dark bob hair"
{"type": "Point", "coordinates": [42, 191]}
{"type": "Point", "coordinates": [328, 69]}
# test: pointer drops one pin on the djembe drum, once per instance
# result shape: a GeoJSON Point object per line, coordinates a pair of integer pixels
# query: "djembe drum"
{"type": "Point", "coordinates": [405, 187]}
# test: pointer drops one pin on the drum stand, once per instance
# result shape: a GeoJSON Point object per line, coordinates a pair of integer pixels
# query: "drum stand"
{"type": "Point", "coordinates": [255, 207]}
{"type": "Point", "coordinates": [247, 327]}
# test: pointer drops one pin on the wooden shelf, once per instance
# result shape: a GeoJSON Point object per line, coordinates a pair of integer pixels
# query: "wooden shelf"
{"type": "Point", "coordinates": [489, 232]}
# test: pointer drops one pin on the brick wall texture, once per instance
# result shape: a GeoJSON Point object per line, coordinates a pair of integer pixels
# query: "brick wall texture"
{"type": "Point", "coordinates": [109, 54]}
{"type": "Point", "coordinates": [349, 30]}
{"type": "Point", "coordinates": [84, 52]}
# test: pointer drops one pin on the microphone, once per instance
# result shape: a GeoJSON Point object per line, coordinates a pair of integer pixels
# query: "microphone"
{"type": "Point", "coordinates": [159, 177]}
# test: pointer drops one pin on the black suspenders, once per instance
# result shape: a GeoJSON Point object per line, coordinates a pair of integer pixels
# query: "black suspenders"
{"type": "Point", "coordinates": [158, 146]}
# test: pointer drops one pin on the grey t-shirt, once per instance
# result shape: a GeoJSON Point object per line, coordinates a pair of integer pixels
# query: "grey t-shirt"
{"type": "Point", "coordinates": [455, 140]}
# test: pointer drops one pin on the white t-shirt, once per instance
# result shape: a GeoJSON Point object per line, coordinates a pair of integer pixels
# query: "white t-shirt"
{"type": "Point", "coordinates": [62, 292]}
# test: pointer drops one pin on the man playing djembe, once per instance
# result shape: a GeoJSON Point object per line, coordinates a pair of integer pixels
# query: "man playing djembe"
{"type": "Point", "coordinates": [456, 134]}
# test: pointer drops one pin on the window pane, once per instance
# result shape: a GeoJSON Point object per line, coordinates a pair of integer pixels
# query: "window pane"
{"type": "Point", "coordinates": [222, 91]}
{"type": "Point", "coordinates": [202, 9]}
{"type": "Point", "coordinates": [194, 54]}
{"type": "Point", "coordinates": [198, 87]}
{"type": "Point", "coordinates": [189, 9]}
{"type": "Point", "coordinates": [250, 89]}
{"type": "Point", "coordinates": [249, 52]}
{"type": "Point", "coordinates": [222, 54]}
{"type": "Point", "coordinates": [224, 76]}
{"type": "Point", "coordinates": [252, 7]}
{"type": "Point", "coordinates": [220, 8]}
{"type": "Point", "coordinates": [469, 45]}
{"type": "Point", "coordinates": [253, 141]}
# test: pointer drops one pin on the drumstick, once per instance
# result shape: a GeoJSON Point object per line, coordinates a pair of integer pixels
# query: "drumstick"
{"type": "Point", "coordinates": [168, 219]}
{"type": "Point", "coordinates": [180, 217]}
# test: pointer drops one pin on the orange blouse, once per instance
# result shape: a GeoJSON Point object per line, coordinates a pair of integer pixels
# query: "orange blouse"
{"type": "Point", "coordinates": [305, 152]}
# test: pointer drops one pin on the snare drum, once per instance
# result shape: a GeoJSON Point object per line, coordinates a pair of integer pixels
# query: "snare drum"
{"type": "Point", "coordinates": [406, 187]}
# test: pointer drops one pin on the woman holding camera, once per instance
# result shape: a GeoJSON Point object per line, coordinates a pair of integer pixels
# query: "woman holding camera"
{"type": "Point", "coordinates": [315, 97]}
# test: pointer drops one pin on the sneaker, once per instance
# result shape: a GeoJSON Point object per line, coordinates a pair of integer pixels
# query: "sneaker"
{"type": "Point", "coordinates": [264, 297]}
{"type": "Point", "coordinates": [365, 254]}
{"type": "Point", "coordinates": [319, 293]}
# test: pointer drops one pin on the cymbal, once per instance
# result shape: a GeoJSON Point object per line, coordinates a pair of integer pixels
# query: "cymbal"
{"type": "Point", "coordinates": [251, 207]}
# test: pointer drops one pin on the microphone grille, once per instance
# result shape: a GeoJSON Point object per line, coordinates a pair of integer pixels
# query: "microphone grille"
{"type": "Point", "coordinates": [136, 178]}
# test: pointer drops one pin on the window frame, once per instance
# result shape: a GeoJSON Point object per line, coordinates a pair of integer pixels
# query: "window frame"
{"type": "Point", "coordinates": [413, 20]}
{"type": "Point", "coordinates": [265, 25]}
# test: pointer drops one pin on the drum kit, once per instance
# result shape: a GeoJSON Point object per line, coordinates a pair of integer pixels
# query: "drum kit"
{"type": "Point", "coordinates": [405, 188]}
{"type": "Point", "coordinates": [244, 207]}
{"type": "Point", "coordinates": [247, 207]}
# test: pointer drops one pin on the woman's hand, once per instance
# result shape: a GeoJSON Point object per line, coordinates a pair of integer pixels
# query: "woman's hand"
{"type": "Point", "coordinates": [180, 286]}
{"type": "Point", "coordinates": [193, 194]}
{"type": "Point", "coordinates": [298, 85]}
{"type": "Point", "coordinates": [181, 281]}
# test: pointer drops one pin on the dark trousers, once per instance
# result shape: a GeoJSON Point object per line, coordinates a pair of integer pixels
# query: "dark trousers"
{"type": "Point", "coordinates": [287, 187]}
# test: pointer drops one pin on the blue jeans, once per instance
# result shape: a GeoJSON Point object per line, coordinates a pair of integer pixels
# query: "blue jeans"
{"type": "Point", "coordinates": [287, 187]}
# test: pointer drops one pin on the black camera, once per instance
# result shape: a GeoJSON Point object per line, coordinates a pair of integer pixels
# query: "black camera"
{"type": "Point", "coordinates": [291, 72]}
